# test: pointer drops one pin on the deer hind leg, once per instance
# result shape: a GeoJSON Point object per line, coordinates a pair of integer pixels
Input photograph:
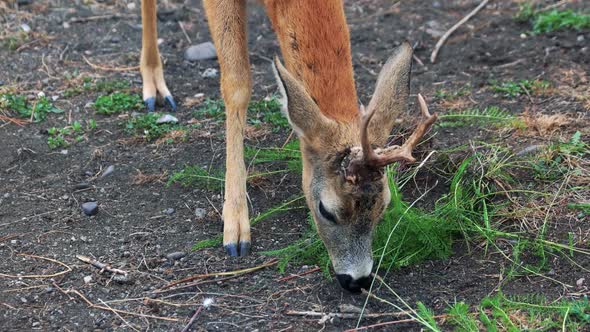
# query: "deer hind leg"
{"type": "Point", "coordinates": [152, 72]}
{"type": "Point", "coordinates": [227, 23]}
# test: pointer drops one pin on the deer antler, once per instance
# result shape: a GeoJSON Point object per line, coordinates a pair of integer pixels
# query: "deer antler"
{"type": "Point", "coordinates": [374, 159]}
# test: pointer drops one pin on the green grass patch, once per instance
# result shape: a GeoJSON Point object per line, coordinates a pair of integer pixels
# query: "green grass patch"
{"type": "Point", "coordinates": [36, 109]}
{"type": "Point", "coordinates": [12, 41]}
{"type": "Point", "coordinates": [492, 115]}
{"type": "Point", "coordinates": [103, 86]}
{"type": "Point", "coordinates": [267, 110]}
{"type": "Point", "coordinates": [556, 161]}
{"type": "Point", "coordinates": [521, 313]}
{"type": "Point", "coordinates": [117, 102]}
{"type": "Point", "coordinates": [552, 20]}
{"type": "Point", "coordinates": [191, 176]}
{"type": "Point", "coordinates": [512, 89]}
{"type": "Point", "coordinates": [146, 126]}
{"type": "Point", "coordinates": [288, 154]}
{"type": "Point", "coordinates": [64, 137]}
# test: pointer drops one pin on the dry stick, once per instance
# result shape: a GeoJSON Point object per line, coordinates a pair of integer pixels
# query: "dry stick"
{"type": "Point", "coordinates": [401, 321]}
{"type": "Point", "coordinates": [100, 17]}
{"type": "Point", "coordinates": [18, 122]}
{"type": "Point", "coordinates": [190, 322]}
{"type": "Point", "coordinates": [299, 275]}
{"type": "Point", "coordinates": [230, 273]}
{"type": "Point", "coordinates": [101, 266]}
{"type": "Point", "coordinates": [342, 315]}
{"type": "Point", "coordinates": [120, 317]}
{"type": "Point", "coordinates": [95, 306]}
{"type": "Point", "coordinates": [68, 269]}
{"type": "Point", "coordinates": [110, 68]}
{"type": "Point", "coordinates": [447, 34]}
{"type": "Point", "coordinates": [184, 32]}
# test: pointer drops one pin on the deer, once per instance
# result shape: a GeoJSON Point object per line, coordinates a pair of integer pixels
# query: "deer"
{"type": "Point", "coordinates": [343, 145]}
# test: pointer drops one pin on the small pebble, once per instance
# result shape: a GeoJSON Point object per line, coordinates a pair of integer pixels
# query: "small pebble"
{"type": "Point", "coordinates": [169, 211]}
{"type": "Point", "coordinates": [200, 213]}
{"type": "Point", "coordinates": [131, 6]}
{"type": "Point", "coordinates": [580, 38]}
{"type": "Point", "coordinates": [87, 279]}
{"type": "Point", "coordinates": [580, 282]}
{"type": "Point", "coordinates": [108, 171]}
{"type": "Point", "coordinates": [176, 255]}
{"type": "Point", "coordinates": [81, 185]}
{"type": "Point", "coordinates": [209, 73]}
{"type": "Point", "coordinates": [522, 35]}
{"type": "Point", "coordinates": [167, 118]}
{"type": "Point", "coordinates": [90, 208]}
{"type": "Point", "coordinates": [26, 28]}
{"type": "Point", "coordinates": [349, 308]}
{"type": "Point", "coordinates": [203, 51]}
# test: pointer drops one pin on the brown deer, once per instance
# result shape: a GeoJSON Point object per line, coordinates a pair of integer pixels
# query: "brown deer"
{"type": "Point", "coordinates": [343, 176]}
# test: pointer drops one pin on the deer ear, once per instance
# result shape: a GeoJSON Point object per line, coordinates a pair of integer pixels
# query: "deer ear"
{"type": "Point", "coordinates": [390, 98]}
{"type": "Point", "coordinates": [298, 106]}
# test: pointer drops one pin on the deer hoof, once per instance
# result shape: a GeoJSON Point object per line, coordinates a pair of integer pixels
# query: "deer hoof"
{"type": "Point", "coordinates": [170, 101]}
{"type": "Point", "coordinates": [244, 248]}
{"type": "Point", "coordinates": [231, 249]}
{"type": "Point", "coordinates": [150, 104]}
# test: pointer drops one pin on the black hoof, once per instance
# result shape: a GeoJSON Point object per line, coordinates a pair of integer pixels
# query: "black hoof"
{"type": "Point", "coordinates": [170, 101]}
{"type": "Point", "coordinates": [244, 248]}
{"type": "Point", "coordinates": [150, 104]}
{"type": "Point", "coordinates": [231, 249]}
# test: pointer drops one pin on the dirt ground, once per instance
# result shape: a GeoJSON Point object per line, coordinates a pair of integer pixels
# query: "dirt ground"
{"type": "Point", "coordinates": [42, 228]}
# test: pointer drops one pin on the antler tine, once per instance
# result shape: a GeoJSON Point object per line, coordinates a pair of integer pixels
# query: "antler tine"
{"type": "Point", "coordinates": [369, 154]}
{"type": "Point", "coordinates": [404, 153]}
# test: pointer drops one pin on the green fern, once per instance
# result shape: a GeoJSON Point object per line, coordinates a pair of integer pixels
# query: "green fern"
{"type": "Point", "coordinates": [489, 115]}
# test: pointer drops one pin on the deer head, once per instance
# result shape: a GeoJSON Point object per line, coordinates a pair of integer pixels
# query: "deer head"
{"type": "Point", "coordinates": [343, 176]}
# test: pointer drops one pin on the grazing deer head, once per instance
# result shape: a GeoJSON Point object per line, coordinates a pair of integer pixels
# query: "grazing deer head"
{"type": "Point", "coordinates": [343, 175]}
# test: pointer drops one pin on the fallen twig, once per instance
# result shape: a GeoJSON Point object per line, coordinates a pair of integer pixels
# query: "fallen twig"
{"type": "Point", "coordinates": [32, 276]}
{"type": "Point", "coordinates": [401, 321]}
{"type": "Point", "coordinates": [135, 68]}
{"type": "Point", "coordinates": [299, 275]}
{"type": "Point", "coordinates": [193, 318]}
{"type": "Point", "coordinates": [16, 121]}
{"type": "Point", "coordinates": [217, 274]}
{"type": "Point", "coordinates": [95, 306]}
{"type": "Point", "coordinates": [447, 34]}
{"type": "Point", "coordinates": [344, 315]}
{"type": "Point", "coordinates": [101, 266]}
{"type": "Point", "coordinates": [100, 17]}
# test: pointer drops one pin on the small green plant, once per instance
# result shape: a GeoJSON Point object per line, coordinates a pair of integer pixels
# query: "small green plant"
{"type": "Point", "coordinates": [64, 137]}
{"type": "Point", "coordinates": [465, 90]}
{"type": "Point", "coordinates": [560, 20]}
{"type": "Point", "coordinates": [461, 319]}
{"type": "Point", "coordinates": [197, 176]}
{"type": "Point", "coordinates": [147, 126]}
{"type": "Point", "coordinates": [489, 115]}
{"type": "Point", "coordinates": [14, 40]}
{"type": "Point", "coordinates": [117, 102]}
{"type": "Point", "coordinates": [36, 109]}
{"type": "Point", "coordinates": [526, 12]}
{"type": "Point", "coordinates": [553, 164]}
{"type": "Point", "coordinates": [289, 154]}
{"type": "Point", "coordinates": [514, 89]}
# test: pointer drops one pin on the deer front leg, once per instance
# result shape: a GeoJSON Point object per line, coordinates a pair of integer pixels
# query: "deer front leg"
{"type": "Point", "coordinates": [227, 23]}
{"type": "Point", "coordinates": [152, 72]}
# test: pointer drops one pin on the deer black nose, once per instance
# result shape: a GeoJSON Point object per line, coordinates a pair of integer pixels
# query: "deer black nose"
{"type": "Point", "coordinates": [353, 285]}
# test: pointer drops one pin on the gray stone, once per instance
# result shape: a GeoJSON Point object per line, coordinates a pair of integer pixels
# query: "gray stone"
{"type": "Point", "coordinates": [81, 185]}
{"type": "Point", "coordinates": [200, 213]}
{"type": "Point", "coordinates": [203, 51]}
{"type": "Point", "coordinates": [90, 208]}
{"type": "Point", "coordinates": [176, 255]}
{"type": "Point", "coordinates": [209, 73]}
{"type": "Point", "coordinates": [167, 118]}
{"type": "Point", "coordinates": [108, 171]}
{"type": "Point", "coordinates": [169, 211]}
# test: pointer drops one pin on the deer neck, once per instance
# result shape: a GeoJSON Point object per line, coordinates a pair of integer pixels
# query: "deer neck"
{"type": "Point", "coordinates": [315, 44]}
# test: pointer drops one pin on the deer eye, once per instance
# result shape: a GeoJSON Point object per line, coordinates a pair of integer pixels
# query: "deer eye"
{"type": "Point", "coordinates": [327, 215]}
